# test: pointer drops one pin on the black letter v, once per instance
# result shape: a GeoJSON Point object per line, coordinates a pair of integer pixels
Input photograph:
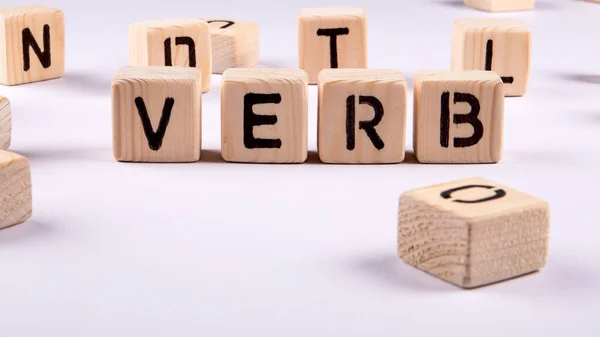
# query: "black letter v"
{"type": "Point", "coordinates": [155, 138]}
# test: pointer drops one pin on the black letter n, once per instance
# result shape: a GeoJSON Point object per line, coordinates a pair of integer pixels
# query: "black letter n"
{"type": "Point", "coordinates": [29, 41]}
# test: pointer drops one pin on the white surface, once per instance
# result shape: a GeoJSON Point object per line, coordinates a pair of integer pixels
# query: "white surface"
{"type": "Point", "coordinates": [217, 249]}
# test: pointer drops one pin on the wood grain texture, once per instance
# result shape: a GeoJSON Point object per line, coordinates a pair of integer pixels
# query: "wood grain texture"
{"type": "Point", "coordinates": [234, 46]}
{"type": "Point", "coordinates": [183, 136]}
{"type": "Point", "coordinates": [13, 21]}
{"type": "Point", "coordinates": [314, 51]}
{"type": "Point", "coordinates": [510, 50]}
{"type": "Point", "coordinates": [501, 5]}
{"type": "Point", "coordinates": [147, 45]}
{"type": "Point", "coordinates": [389, 88]}
{"type": "Point", "coordinates": [5, 123]}
{"type": "Point", "coordinates": [291, 126]}
{"type": "Point", "coordinates": [15, 189]}
{"type": "Point", "coordinates": [429, 88]}
{"type": "Point", "coordinates": [473, 244]}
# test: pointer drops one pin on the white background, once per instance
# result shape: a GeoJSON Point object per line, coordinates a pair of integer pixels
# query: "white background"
{"type": "Point", "coordinates": [219, 249]}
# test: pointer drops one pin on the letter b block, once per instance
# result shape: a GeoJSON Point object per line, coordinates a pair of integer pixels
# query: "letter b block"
{"type": "Point", "coordinates": [458, 117]}
{"type": "Point", "coordinates": [473, 232]}
{"type": "Point", "coordinates": [32, 44]}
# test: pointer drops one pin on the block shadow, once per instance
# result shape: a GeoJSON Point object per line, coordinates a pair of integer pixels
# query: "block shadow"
{"type": "Point", "coordinates": [30, 229]}
{"type": "Point", "coordinates": [582, 78]}
{"type": "Point", "coordinates": [49, 154]}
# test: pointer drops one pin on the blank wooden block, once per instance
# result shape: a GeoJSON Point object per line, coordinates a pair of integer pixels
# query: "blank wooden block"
{"type": "Point", "coordinates": [157, 114]}
{"type": "Point", "coordinates": [32, 44]}
{"type": "Point", "coordinates": [5, 123]}
{"type": "Point", "coordinates": [264, 115]}
{"type": "Point", "coordinates": [362, 116]}
{"type": "Point", "coordinates": [499, 45]}
{"type": "Point", "coordinates": [235, 44]}
{"type": "Point", "coordinates": [331, 38]}
{"type": "Point", "coordinates": [473, 232]}
{"type": "Point", "coordinates": [15, 189]}
{"type": "Point", "coordinates": [172, 42]}
{"type": "Point", "coordinates": [501, 5]}
{"type": "Point", "coordinates": [458, 117]}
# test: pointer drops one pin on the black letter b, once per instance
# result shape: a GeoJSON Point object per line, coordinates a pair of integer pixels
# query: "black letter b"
{"type": "Point", "coordinates": [470, 118]}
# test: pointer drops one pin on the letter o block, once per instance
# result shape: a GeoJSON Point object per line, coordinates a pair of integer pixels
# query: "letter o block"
{"type": "Point", "coordinates": [172, 42]}
{"type": "Point", "coordinates": [15, 189]}
{"type": "Point", "coordinates": [157, 114]}
{"type": "Point", "coordinates": [473, 232]}
{"type": "Point", "coordinates": [458, 117]}
{"type": "Point", "coordinates": [264, 115]}
{"type": "Point", "coordinates": [501, 5]}
{"type": "Point", "coordinates": [235, 44]}
{"type": "Point", "coordinates": [362, 116]}
{"type": "Point", "coordinates": [32, 44]}
{"type": "Point", "coordinates": [5, 123]}
{"type": "Point", "coordinates": [331, 38]}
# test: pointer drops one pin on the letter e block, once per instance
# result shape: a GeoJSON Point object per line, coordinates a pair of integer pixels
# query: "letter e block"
{"type": "Point", "coordinates": [362, 116]}
{"type": "Point", "coordinates": [458, 117]}
{"type": "Point", "coordinates": [331, 38]}
{"type": "Point", "coordinates": [157, 114]}
{"type": "Point", "coordinates": [172, 42]}
{"type": "Point", "coordinates": [32, 44]}
{"type": "Point", "coordinates": [5, 123]}
{"type": "Point", "coordinates": [473, 232]}
{"type": "Point", "coordinates": [499, 45]}
{"type": "Point", "coordinates": [15, 189]}
{"type": "Point", "coordinates": [264, 115]}
{"type": "Point", "coordinates": [501, 5]}
{"type": "Point", "coordinates": [235, 44]}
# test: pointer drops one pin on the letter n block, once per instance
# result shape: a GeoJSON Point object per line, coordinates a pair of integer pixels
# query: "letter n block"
{"type": "Point", "coordinates": [264, 115]}
{"type": "Point", "coordinates": [362, 116]}
{"type": "Point", "coordinates": [501, 5]}
{"type": "Point", "coordinates": [15, 189]}
{"type": "Point", "coordinates": [172, 42]}
{"type": "Point", "coordinates": [157, 114]}
{"type": "Point", "coordinates": [458, 117]}
{"type": "Point", "coordinates": [499, 45]}
{"type": "Point", "coordinates": [5, 123]}
{"type": "Point", "coordinates": [473, 232]}
{"type": "Point", "coordinates": [32, 44]}
{"type": "Point", "coordinates": [235, 44]}
{"type": "Point", "coordinates": [331, 38]}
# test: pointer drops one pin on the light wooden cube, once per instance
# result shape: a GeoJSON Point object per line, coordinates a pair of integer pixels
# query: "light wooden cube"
{"type": "Point", "coordinates": [235, 44]}
{"type": "Point", "coordinates": [15, 189]}
{"type": "Point", "coordinates": [32, 44]}
{"type": "Point", "coordinates": [501, 5]}
{"type": "Point", "coordinates": [157, 114]}
{"type": "Point", "coordinates": [499, 45]}
{"type": "Point", "coordinates": [331, 38]}
{"type": "Point", "coordinates": [172, 42]}
{"type": "Point", "coordinates": [264, 115]}
{"type": "Point", "coordinates": [362, 116]}
{"type": "Point", "coordinates": [5, 123]}
{"type": "Point", "coordinates": [473, 232]}
{"type": "Point", "coordinates": [458, 117]}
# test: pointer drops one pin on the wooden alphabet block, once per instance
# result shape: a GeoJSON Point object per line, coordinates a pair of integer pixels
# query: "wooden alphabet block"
{"type": "Point", "coordinates": [264, 115]}
{"type": "Point", "coordinates": [5, 123]}
{"type": "Point", "coordinates": [458, 117]}
{"type": "Point", "coordinates": [172, 42]}
{"type": "Point", "coordinates": [235, 44]}
{"type": "Point", "coordinates": [501, 5]}
{"type": "Point", "coordinates": [32, 44]}
{"type": "Point", "coordinates": [499, 45]}
{"type": "Point", "coordinates": [331, 38]}
{"type": "Point", "coordinates": [362, 116]}
{"type": "Point", "coordinates": [157, 114]}
{"type": "Point", "coordinates": [15, 189]}
{"type": "Point", "coordinates": [473, 232]}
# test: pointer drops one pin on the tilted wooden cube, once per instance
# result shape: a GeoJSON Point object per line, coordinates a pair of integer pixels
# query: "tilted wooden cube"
{"type": "Point", "coordinates": [264, 115]}
{"type": "Point", "coordinates": [473, 232]}
{"type": "Point", "coordinates": [172, 42]}
{"type": "Point", "coordinates": [499, 45]}
{"type": "Point", "coordinates": [32, 44]}
{"type": "Point", "coordinates": [458, 117]}
{"type": "Point", "coordinates": [235, 44]}
{"type": "Point", "coordinates": [331, 38]}
{"type": "Point", "coordinates": [501, 5]}
{"type": "Point", "coordinates": [362, 116]}
{"type": "Point", "coordinates": [15, 189]}
{"type": "Point", "coordinates": [157, 114]}
{"type": "Point", "coordinates": [5, 123]}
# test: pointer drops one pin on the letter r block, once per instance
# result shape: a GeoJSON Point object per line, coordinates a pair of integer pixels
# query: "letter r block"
{"type": "Point", "coordinates": [458, 117]}
{"type": "Point", "coordinates": [473, 232]}
{"type": "Point", "coordinates": [331, 38]}
{"type": "Point", "coordinates": [264, 115]}
{"type": "Point", "coordinates": [32, 44]}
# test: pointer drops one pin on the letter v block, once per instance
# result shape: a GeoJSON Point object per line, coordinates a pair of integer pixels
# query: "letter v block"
{"type": "Point", "coordinates": [157, 114]}
{"type": "Point", "coordinates": [362, 116]}
{"type": "Point", "coordinates": [32, 44]}
{"type": "Point", "coordinates": [264, 115]}
{"type": "Point", "coordinates": [15, 189]}
{"type": "Point", "coordinates": [458, 117]}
